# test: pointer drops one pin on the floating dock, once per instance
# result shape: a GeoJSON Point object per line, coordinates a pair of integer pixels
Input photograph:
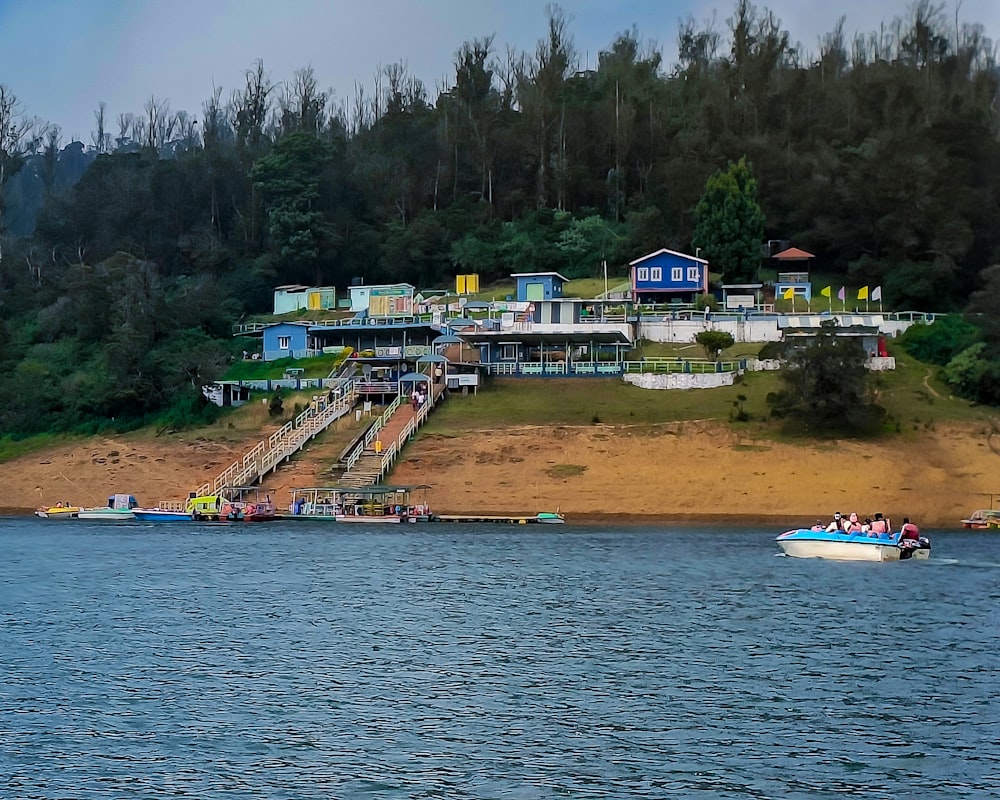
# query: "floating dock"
{"type": "Point", "coordinates": [502, 519]}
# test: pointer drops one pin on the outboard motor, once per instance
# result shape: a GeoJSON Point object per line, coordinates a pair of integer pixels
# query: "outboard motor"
{"type": "Point", "coordinates": [908, 547]}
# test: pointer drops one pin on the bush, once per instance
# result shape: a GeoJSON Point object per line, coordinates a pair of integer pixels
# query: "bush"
{"type": "Point", "coordinates": [939, 342]}
{"type": "Point", "coordinates": [276, 407]}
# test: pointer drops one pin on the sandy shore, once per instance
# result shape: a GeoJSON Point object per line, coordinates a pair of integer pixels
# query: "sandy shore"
{"type": "Point", "coordinates": [679, 472]}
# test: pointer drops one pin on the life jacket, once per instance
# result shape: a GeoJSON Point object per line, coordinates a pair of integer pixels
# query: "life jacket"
{"type": "Point", "coordinates": [909, 531]}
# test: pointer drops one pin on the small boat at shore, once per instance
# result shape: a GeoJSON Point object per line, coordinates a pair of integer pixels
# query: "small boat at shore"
{"type": "Point", "coordinates": [838, 546]}
{"type": "Point", "coordinates": [982, 518]}
{"type": "Point", "coordinates": [164, 511]}
{"type": "Point", "coordinates": [371, 505]}
{"type": "Point", "coordinates": [118, 509]}
{"type": "Point", "coordinates": [59, 511]}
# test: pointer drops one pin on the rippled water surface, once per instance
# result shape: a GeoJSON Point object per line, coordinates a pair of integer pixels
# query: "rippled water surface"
{"type": "Point", "coordinates": [306, 661]}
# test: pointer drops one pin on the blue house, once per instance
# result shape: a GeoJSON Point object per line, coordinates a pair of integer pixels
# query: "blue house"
{"type": "Point", "coordinates": [288, 340]}
{"type": "Point", "coordinates": [668, 276]}
{"type": "Point", "coordinates": [533, 286]}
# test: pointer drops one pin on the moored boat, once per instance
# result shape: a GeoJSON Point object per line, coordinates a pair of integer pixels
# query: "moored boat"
{"type": "Point", "coordinates": [350, 504]}
{"type": "Point", "coordinates": [246, 504]}
{"type": "Point", "coordinates": [118, 509]}
{"type": "Point", "coordinates": [59, 511]}
{"type": "Point", "coordinates": [165, 511]}
{"type": "Point", "coordinates": [550, 518]}
{"type": "Point", "coordinates": [839, 546]}
{"type": "Point", "coordinates": [982, 518]}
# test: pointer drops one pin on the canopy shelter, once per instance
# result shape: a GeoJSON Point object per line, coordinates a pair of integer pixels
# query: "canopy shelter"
{"type": "Point", "coordinates": [478, 305]}
{"type": "Point", "coordinates": [448, 341]}
{"type": "Point", "coordinates": [438, 372]}
{"type": "Point", "coordinates": [572, 344]}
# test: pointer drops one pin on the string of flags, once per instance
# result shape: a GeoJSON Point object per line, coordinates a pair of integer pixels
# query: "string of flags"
{"type": "Point", "coordinates": [863, 293]}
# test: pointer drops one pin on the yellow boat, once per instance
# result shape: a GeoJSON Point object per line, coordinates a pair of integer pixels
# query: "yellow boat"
{"type": "Point", "coordinates": [59, 511]}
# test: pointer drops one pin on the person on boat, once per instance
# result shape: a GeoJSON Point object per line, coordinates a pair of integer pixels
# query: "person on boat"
{"type": "Point", "coordinates": [853, 525]}
{"type": "Point", "coordinates": [837, 525]}
{"type": "Point", "coordinates": [909, 531]}
{"type": "Point", "coordinates": [880, 525]}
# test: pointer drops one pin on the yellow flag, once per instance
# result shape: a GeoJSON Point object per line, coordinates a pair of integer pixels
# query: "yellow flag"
{"type": "Point", "coordinates": [788, 294]}
{"type": "Point", "coordinates": [863, 293]}
{"type": "Point", "coordinates": [825, 291]}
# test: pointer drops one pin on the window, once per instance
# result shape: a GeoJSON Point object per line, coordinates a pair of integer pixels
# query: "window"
{"type": "Point", "coordinates": [676, 274]}
{"type": "Point", "coordinates": [284, 342]}
{"type": "Point", "coordinates": [693, 275]}
{"type": "Point", "coordinates": [642, 274]}
{"type": "Point", "coordinates": [656, 274]}
{"type": "Point", "coordinates": [508, 352]}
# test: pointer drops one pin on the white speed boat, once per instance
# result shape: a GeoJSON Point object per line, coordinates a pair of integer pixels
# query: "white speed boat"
{"type": "Point", "coordinates": [808, 543]}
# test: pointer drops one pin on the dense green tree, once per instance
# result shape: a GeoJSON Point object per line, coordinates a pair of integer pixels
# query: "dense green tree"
{"type": "Point", "coordinates": [826, 386]}
{"type": "Point", "coordinates": [714, 342]}
{"type": "Point", "coordinates": [289, 182]}
{"type": "Point", "coordinates": [729, 224]}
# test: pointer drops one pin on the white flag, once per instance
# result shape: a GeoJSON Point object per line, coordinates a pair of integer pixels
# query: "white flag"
{"type": "Point", "coordinates": [877, 293]}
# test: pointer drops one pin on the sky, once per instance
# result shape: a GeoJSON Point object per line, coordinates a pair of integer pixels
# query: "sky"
{"type": "Point", "coordinates": [61, 58]}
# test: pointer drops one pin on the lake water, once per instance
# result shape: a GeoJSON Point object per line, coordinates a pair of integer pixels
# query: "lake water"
{"type": "Point", "coordinates": [320, 661]}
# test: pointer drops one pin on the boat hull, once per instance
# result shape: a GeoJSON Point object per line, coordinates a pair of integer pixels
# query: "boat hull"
{"type": "Point", "coordinates": [106, 515]}
{"type": "Point", "coordinates": [159, 515]}
{"type": "Point", "coordinates": [58, 512]}
{"type": "Point", "coordinates": [843, 547]}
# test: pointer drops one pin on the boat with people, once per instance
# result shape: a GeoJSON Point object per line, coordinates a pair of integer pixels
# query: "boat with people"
{"type": "Point", "coordinates": [374, 505]}
{"type": "Point", "coordinates": [246, 504]}
{"type": "Point", "coordinates": [856, 545]}
{"type": "Point", "coordinates": [232, 504]}
{"type": "Point", "coordinates": [119, 509]}
{"type": "Point", "coordinates": [982, 518]}
{"type": "Point", "coordinates": [58, 511]}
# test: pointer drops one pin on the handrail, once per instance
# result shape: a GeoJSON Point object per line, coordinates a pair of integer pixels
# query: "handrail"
{"type": "Point", "coordinates": [266, 455]}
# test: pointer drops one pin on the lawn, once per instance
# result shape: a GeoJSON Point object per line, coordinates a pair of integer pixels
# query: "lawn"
{"type": "Point", "coordinates": [567, 401]}
{"type": "Point", "coordinates": [250, 370]}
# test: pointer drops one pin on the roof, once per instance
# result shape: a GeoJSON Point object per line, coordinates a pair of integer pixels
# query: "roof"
{"type": "Point", "coordinates": [576, 336]}
{"type": "Point", "coordinates": [669, 252]}
{"type": "Point", "coordinates": [539, 275]}
{"type": "Point", "coordinates": [793, 254]}
{"type": "Point", "coordinates": [363, 491]}
{"type": "Point", "coordinates": [843, 320]}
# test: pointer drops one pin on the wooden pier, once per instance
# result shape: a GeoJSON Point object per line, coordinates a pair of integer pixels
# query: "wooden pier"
{"type": "Point", "coordinates": [502, 519]}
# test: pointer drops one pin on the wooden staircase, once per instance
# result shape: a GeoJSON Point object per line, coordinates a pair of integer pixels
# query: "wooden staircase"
{"type": "Point", "coordinates": [370, 460]}
{"type": "Point", "coordinates": [267, 455]}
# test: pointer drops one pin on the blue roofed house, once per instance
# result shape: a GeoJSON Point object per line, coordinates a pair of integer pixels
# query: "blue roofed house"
{"type": "Point", "coordinates": [534, 286]}
{"type": "Point", "coordinates": [668, 276]}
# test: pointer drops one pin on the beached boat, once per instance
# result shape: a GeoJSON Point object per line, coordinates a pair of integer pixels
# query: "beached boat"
{"type": "Point", "coordinates": [57, 512]}
{"type": "Point", "coordinates": [809, 543]}
{"type": "Point", "coordinates": [118, 509]}
{"type": "Point", "coordinates": [982, 518]}
{"type": "Point", "coordinates": [371, 505]}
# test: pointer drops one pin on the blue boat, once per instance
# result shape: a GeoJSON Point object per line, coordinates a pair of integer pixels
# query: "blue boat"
{"type": "Point", "coordinates": [839, 546]}
{"type": "Point", "coordinates": [164, 512]}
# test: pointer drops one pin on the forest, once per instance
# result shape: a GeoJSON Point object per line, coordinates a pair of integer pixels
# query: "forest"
{"type": "Point", "coordinates": [126, 260]}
